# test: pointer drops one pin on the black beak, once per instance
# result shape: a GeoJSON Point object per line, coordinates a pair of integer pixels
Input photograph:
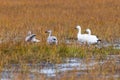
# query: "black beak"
{"type": "Point", "coordinates": [46, 32]}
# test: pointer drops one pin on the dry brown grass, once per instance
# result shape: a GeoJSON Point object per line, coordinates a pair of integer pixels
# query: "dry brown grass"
{"type": "Point", "coordinates": [17, 17]}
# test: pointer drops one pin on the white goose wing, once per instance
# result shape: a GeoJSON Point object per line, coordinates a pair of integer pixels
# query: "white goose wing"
{"type": "Point", "coordinates": [35, 40]}
{"type": "Point", "coordinates": [92, 39]}
{"type": "Point", "coordinates": [82, 38]}
{"type": "Point", "coordinates": [30, 37]}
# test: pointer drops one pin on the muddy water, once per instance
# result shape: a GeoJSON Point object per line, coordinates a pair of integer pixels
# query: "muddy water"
{"type": "Point", "coordinates": [49, 70]}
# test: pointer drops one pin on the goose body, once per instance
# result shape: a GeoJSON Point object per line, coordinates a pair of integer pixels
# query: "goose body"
{"type": "Point", "coordinates": [92, 39]}
{"type": "Point", "coordinates": [86, 38]}
{"type": "Point", "coordinates": [82, 38]}
{"type": "Point", "coordinates": [31, 37]}
{"type": "Point", "coordinates": [51, 39]}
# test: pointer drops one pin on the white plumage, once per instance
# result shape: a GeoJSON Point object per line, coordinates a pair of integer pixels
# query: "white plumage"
{"type": "Point", "coordinates": [51, 39]}
{"type": "Point", "coordinates": [86, 38]}
{"type": "Point", "coordinates": [31, 37]}
{"type": "Point", "coordinates": [82, 38]}
{"type": "Point", "coordinates": [92, 39]}
{"type": "Point", "coordinates": [88, 31]}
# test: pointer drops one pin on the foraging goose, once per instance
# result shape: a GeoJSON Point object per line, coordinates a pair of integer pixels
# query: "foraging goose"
{"type": "Point", "coordinates": [31, 37]}
{"type": "Point", "coordinates": [82, 38]}
{"type": "Point", "coordinates": [91, 39]}
{"type": "Point", "coordinates": [51, 39]}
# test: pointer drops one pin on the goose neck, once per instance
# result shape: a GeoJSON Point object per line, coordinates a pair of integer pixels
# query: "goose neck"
{"type": "Point", "coordinates": [89, 32]}
{"type": "Point", "coordinates": [79, 31]}
{"type": "Point", "coordinates": [50, 34]}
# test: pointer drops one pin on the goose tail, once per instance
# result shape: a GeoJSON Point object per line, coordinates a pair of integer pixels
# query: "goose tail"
{"type": "Point", "coordinates": [99, 40]}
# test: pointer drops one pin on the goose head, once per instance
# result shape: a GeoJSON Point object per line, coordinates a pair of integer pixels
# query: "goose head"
{"type": "Point", "coordinates": [88, 31]}
{"type": "Point", "coordinates": [78, 27]}
{"type": "Point", "coordinates": [48, 31]}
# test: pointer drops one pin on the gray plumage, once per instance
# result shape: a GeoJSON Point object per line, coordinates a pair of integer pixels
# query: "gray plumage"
{"type": "Point", "coordinates": [51, 39]}
{"type": "Point", "coordinates": [31, 37]}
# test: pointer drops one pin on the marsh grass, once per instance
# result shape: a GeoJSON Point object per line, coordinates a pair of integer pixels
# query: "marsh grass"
{"type": "Point", "coordinates": [31, 53]}
{"type": "Point", "coordinates": [35, 53]}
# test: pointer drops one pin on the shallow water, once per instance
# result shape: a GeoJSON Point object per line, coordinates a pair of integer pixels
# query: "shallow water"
{"type": "Point", "coordinates": [55, 70]}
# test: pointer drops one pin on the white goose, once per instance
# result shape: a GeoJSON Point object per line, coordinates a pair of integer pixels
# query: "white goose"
{"type": "Point", "coordinates": [31, 37]}
{"type": "Point", "coordinates": [51, 39]}
{"type": "Point", "coordinates": [82, 38]}
{"type": "Point", "coordinates": [91, 39]}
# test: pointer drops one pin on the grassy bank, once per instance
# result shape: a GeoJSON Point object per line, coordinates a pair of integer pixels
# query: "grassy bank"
{"type": "Point", "coordinates": [35, 53]}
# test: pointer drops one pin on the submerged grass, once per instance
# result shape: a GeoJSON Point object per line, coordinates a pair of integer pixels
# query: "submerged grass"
{"type": "Point", "coordinates": [30, 53]}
